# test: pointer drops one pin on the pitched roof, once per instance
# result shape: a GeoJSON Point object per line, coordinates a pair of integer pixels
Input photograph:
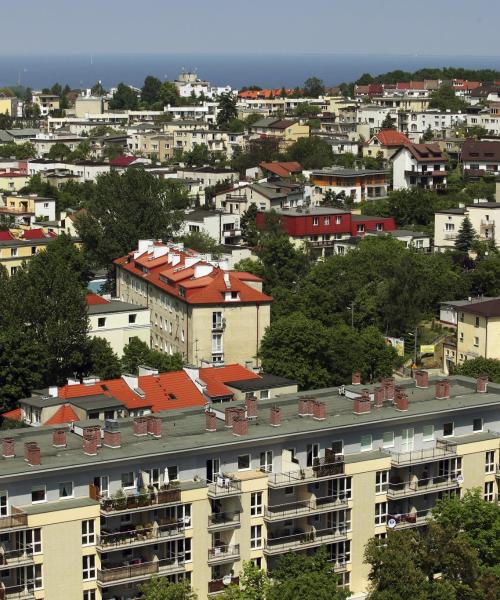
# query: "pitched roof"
{"type": "Point", "coordinates": [473, 150]}
{"type": "Point", "coordinates": [216, 377]}
{"type": "Point", "coordinates": [93, 299]}
{"type": "Point", "coordinates": [488, 308]}
{"type": "Point", "coordinates": [391, 137]}
{"type": "Point", "coordinates": [424, 152]}
{"type": "Point", "coordinates": [36, 234]}
{"type": "Point", "coordinates": [12, 415]}
{"type": "Point", "coordinates": [122, 161]}
{"type": "Point", "coordinates": [6, 235]}
{"type": "Point", "coordinates": [64, 414]}
{"type": "Point", "coordinates": [282, 169]}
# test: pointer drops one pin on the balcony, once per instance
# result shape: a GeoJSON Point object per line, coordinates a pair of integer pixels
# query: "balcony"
{"type": "Point", "coordinates": [219, 585]}
{"type": "Point", "coordinates": [231, 232]}
{"type": "Point", "coordinates": [137, 502]}
{"type": "Point", "coordinates": [293, 510]}
{"type": "Point", "coordinates": [487, 222]}
{"type": "Point", "coordinates": [408, 520]}
{"type": "Point", "coordinates": [422, 486]}
{"type": "Point", "coordinates": [15, 558]}
{"type": "Point", "coordinates": [117, 575]}
{"type": "Point", "coordinates": [140, 536]}
{"type": "Point", "coordinates": [439, 452]}
{"type": "Point", "coordinates": [221, 554]}
{"type": "Point", "coordinates": [450, 236]}
{"type": "Point", "coordinates": [17, 592]}
{"type": "Point", "coordinates": [224, 520]}
{"type": "Point", "coordinates": [224, 487]}
{"type": "Point", "coordinates": [321, 471]}
{"type": "Point", "coordinates": [17, 520]}
{"type": "Point", "coordinates": [305, 539]}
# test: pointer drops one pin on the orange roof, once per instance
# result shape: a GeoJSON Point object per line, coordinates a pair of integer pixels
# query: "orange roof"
{"type": "Point", "coordinates": [64, 414]}
{"type": "Point", "coordinates": [13, 415]}
{"type": "Point", "coordinates": [216, 377]}
{"type": "Point", "coordinates": [282, 169]}
{"type": "Point", "coordinates": [391, 137]}
{"type": "Point", "coordinates": [95, 299]}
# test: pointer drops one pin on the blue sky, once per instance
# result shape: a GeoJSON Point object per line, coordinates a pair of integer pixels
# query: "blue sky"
{"type": "Point", "coordinates": [429, 27]}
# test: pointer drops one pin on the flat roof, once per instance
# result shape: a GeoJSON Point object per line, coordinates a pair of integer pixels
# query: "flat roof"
{"type": "Point", "coordinates": [113, 306]}
{"type": "Point", "coordinates": [266, 381]}
{"type": "Point", "coordinates": [311, 211]}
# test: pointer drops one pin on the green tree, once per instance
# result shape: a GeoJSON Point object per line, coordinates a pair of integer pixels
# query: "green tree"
{"type": "Point", "coordinates": [124, 98]}
{"type": "Point", "coordinates": [305, 110]}
{"type": "Point", "coordinates": [466, 236]}
{"type": "Point", "coordinates": [248, 225]}
{"type": "Point", "coordinates": [388, 123]}
{"type": "Point", "coordinates": [59, 151]}
{"type": "Point", "coordinates": [227, 109]}
{"type": "Point", "coordinates": [254, 584]}
{"type": "Point", "coordinates": [5, 121]}
{"type": "Point", "coordinates": [103, 362]}
{"type": "Point", "coordinates": [256, 151]}
{"type": "Point", "coordinates": [137, 353]}
{"type": "Point", "coordinates": [428, 134]}
{"type": "Point", "coordinates": [19, 151]}
{"type": "Point", "coordinates": [202, 242]}
{"type": "Point", "coordinates": [198, 156]}
{"type": "Point", "coordinates": [112, 151]}
{"type": "Point", "coordinates": [445, 99]}
{"type": "Point", "coordinates": [150, 92]}
{"type": "Point", "coordinates": [97, 89]}
{"type": "Point", "coordinates": [168, 94]}
{"type": "Point", "coordinates": [484, 278]}
{"type": "Point", "coordinates": [160, 588]}
{"type": "Point", "coordinates": [311, 152]}
{"type": "Point", "coordinates": [313, 87]}
{"type": "Point", "coordinates": [83, 151]}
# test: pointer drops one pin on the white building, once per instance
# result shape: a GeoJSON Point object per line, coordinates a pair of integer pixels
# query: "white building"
{"type": "Point", "coordinates": [419, 165]}
{"type": "Point", "coordinates": [224, 228]}
{"type": "Point", "coordinates": [189, 84]}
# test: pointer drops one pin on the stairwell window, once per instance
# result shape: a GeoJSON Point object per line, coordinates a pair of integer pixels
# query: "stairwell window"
{"type": "Point", "coordinates": [380, 513]}
{"type": "Point", "coordinates": [256, 504]}
{"type": "Point", "coordinates": [88, 532]}
{"type": "Point", "coordinates": [381, 482]}
{"type": "Point", "coordinates": [489, 464]}
{"type": "Point", "coordinates": [89, 570]}
{"type": "Point", "coordinates": [256, 537]}
{"type": "Point", "coordinates": [489, 493]}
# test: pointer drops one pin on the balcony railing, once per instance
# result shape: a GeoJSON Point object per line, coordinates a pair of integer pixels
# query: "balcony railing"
{"type": "Point", "coordinates": [16, 519]}
{"type": "Point", "coordinates": [224, 520]}
{"type": "Point", "coordinates": [140, 535]}
{"type": "Point", "coordinates": [422, 486]}
{"type": "Point", "coordinates": [298, 509]}
{"type": "Point", "coordinates": [219, 585]}
{"type": "Point", "coordinates": [223, 487]}
{"type": "Point", "coordinates": [440, 451]}
{"type": "Point", "coordinates": [139, 570]}
{"type": "Point", "coordinates": [15, 557]}
{"type": "Point", "coordinates": [304, 539]}
{"type": "Point", "coordinates": [219, 553]}
{"type": "Point", "coordinates": [137, 501]}
{"type": "Point", "coordinates": [17, 592]}
{"type": "Point", "coordinates": [406, 520]}
{"type": "Point", "coordinates": [322, 470]}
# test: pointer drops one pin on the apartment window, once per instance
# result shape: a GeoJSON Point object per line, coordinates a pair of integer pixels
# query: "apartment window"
{"type": "Point", "coordinates": [489, 464]}
{"type": "Point", "coordinates": [315, 221]}
{"type": "Point", "coordinates": [256, 504]}
{"type": "Point", "coordinates": [338, 220]}
{"type": "Point", "coordinates": [89, 570]}
{"type": "Point", "coordinates": [366, 442]}
{"type": "Point", "coordinates": [381, 482]}
{"type": "Point", "coordinates": [428, 433]}
{"type": "Point", "coordinates": [13, 251]}
{"type": "Point", "coordinates": [449, 226]}
{"type": "Point", "coordinates": [88, 532]}
{"type": "Point", "coordinates": [3, 504]}
{"type": "Point", "coordinates": [388, 439]}
{"type": "Point", "coordinates": [264, 395]}
{"type": "Point", "coordinates": [34, 539]}
{"type": "Point", "coordinates": [407, 436]}
{"type": "Point", "coordinates": [476, 324]}
{"type": "Point", "coordinates": [338, 447]}
{"type": "Point", "coordinates": [37, 577]}
{"type": "Point", "coordinates": [266, 461]}
{"type": "Point", "coordinates": [461, 336]}
{"type": "Point", "coordinates": [326, 220]}
{"type": "Point", "coordinates": [489, 493]}
{"type": "Point", "coordinates": [128, 480]}
{"type": "Point", "coordinates": [448, 429]}
{"type": "Point", "coordinates": [89, 595]}
{"type": "Point", "coordinates": [216, 320]}
{"type": "Point", "coordinates": [216, 343]}
{"type": "Point", "coordinates": [101, 322]}
{"type": "Point", "coordinates": [132, 318]}
{"type": "Point", "coordinates": [66, 489]}
{"type": "Point", "coordinates": [256, 537]}
{"type": "Point", "coordinates": [38, 494]}
{"type": "Point", "coordinates": [380, 513]}
{"type": "Point", "coordinates": [312, 453]}
{"type": "Point", "coordinates": [243, 462]}
{"type": "Point", "coordinates": [154, 477]}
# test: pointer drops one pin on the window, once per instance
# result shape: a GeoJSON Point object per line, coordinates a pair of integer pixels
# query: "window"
{"type": "Point", "coordinates": [289, 491]}
{"type": "Point", "coordinates": [477, 322]}
{"type": "Point", "coordinates": [38, 494]}
{"type": "Point", "coordinates": [101, 322]}
{"type": "Point", "coordinates": [388, 439]}
{"type": "Point", "coordinates": [216, 320]}
{"type": "Point", "coordinates": [128, 480]}
{"type": "Point", "coordinates": [13, 251]}
{"type": "Point", "coordinates": [312, 453]}
{"type": "Point", "coordinates": [476, 342]}
{"type": "Point", "coordinates": [462, 317]}
{"type": "Point", "coordinates": [89, 595]}
{"type": "Point", "coordinates": [37, 577]}
{"type": "Point", "coordinates": [407, 439]}
{"type": "Point", "coordinates": [132, 318]}
{"type": "Point", "coordinates": [461, 337]}
{"type": "Point", "coordinates": [264, 395]}
{"type": "Point", "coordinates": [256, 537]}
{"type": "Point", "coordinates": [489, 494]}
{"type": "Point", "coordinates": [154, 477]}
{"type": "Point", "coordinates": [33, 250]}
{"type": "Point", "coordinates": [489, 464]}
{"type": "Point", "coordinates": [448, 429]}
{"type": "Point", "coordinates": [88, 532]}
{"type": "Point", "coordinates": [266, 461]}
{"type": "Point", "coordinates": [315, 221]}
{"type": "Point", "coordinates": [380, 513]}
{"type": "Point", "coordinates": [243, 462]}
{"type": "Point", "coordinates": [477, 424]}
{"type": "Point", "coordinates": [66, 489]}
{"type": "Point", "coordinates": [173, 473]}
{"type": "Point", "coordinates": [340, 488]}
{"type": "Point", "coordinates": [89, 570]}
{"type": "Point", "coordinates": [4, 509]}
{"type": "Point", "coordinates": [338, 220]}
{"type": "Point", "coordinates": [256, 504]}
{"type": "Point", "coordinates": [338, 447]}
{"type": "Point", "coordinates": [216, 343]}
{"type": "Point", "coordinates": [381, 482]}
{"type": "Point", "coordinates": [366, 442]}
{"type": "Point", "coordinates": [428, 433]}
{"type": "Point", "coordinates": [326, 221]}
{"type": "Point", "coordinates": [34, 539]}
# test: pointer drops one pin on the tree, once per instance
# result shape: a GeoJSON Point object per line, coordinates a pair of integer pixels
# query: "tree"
{"type": "Point", "coordinates": [83, 151]}
{"type": "Point", "coordinates": [313, 87]}
{"type": "Point", "coordinates": [311, 152]}
{"type": "Point", "coordinates": [428, 134]}
{"type": "Point", "coordinates": [227, 109]}
{"type": "Point", "coordinates": [137, 353]}
{"type": "Point", "coordinates": [202, 242]}
{"type": "Point", "coordinates": [388, 123]}
{"type": "Point", "coordinates": [168, 94]}
{"type": "Point", "coordinates": [103, 362]}
{"type": "Point", "coordinates": [19, 151]}
{"type": "Point", "coordinates": [306, 110]}
{"type": "Point", "coordinates": [198, 156]}
{"type": "Point", "coordinates": [124, 209]}
{"type": "Point", "coordinates": [5, 121]}
{"type": "Point", "coordinates": [465, 237]}
{"type": "Point", "coordinates": [445, 99]}
{"type": "Point", "coordinates": [159, 588]}
{"type": "Point", "coordinates": [124, 98]}
{"type": "Point", "coordinates": [59, 151]}
{"type": "Point", "coordinates": [150, 93]}
{"type": "Point", "coordinates": [248, 225]}
{"type": "Point", "coordinates": [98, 89]}
{"type": "Point", "coordinates": [254, 584]}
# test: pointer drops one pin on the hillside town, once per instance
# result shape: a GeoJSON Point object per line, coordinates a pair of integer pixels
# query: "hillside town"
{"type": "Point", "coordinates": [250, 339]}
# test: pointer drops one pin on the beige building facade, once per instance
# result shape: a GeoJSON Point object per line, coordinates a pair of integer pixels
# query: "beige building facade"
{"type": "Point", "coordinates": [482, 215]}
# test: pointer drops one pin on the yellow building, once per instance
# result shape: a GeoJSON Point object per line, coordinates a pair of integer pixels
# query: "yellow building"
{"type": "Point", "coordinates": [478, 330]}
{"type": "Point", "coordinates": [8, 105]}
{"type": "Point", "coordinates": [14, 251]}
{"type": "Point", "coordinates": [287, 131]}
{"type": "Point", "coordinates": [13, 181]}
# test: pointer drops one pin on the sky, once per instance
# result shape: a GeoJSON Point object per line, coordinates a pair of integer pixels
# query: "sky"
{"type": "Point", "coordinates": [428, 27]}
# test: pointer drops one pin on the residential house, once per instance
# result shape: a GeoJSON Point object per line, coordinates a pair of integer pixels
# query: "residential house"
{"type": "Point", "coordinates": [224, 228]}
{"type": "Point", "coordinates": [47, 103]}
{"type": "Point", "coordinates": [14, 251]}
{"type": "Point", "coordinates": [27, 208]}
{"type": "Point", "coordinates": [278, 168]}
{"type": "Point", "coordinates": [266, 195]}
{"type": "Point", "coordinates": [287, 131]}
{"type": "Point", "coordinates": [419, 165]}
{"type": "Point", "coordinates": [480, 157]}
{"type": "Point", "coordinates": [9, 105]}
{"type": "Point", "coordinates": [478, 330]}
{"type": "Point", "coordinates": [385, 144]}
{"type": "Point", "coordinates": [356, 184]}
{"type": "Point", "coordinates": [208, 176]}
{"type": "Point", "coordinates": [482, 215]}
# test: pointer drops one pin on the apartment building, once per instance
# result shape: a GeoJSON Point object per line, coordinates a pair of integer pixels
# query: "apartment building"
{"type": "Point", "coordinates": [192, 494]}
{"type": "Point", "coordinates": [447, 223]}
{"type": "Point", "coordinates": [419, 165]}
{"type": "Point", "coordinates": [198, 307]}
{"type": "Point", "coordinates": [287, 131]}
{"type": "Point", "coordinates": [222, 227]}
{"type": "Point", "coordinates": [47, 103]}
{"type": "Point", "coordinates": [480, 157]}
{"type": "Point", "coordinates": [209, 176]}
{"type": "Point", "coordinates": [9, 105]}
{"type": "Point", "coordinates": [416, 123]}
{"type": "Point", "coordinates": [14, 251]}
{"type": "Point", "coordinates": [26, 208]}
{"type": "Point", "coordinates": [267, 195]}
{"type": "Point", "coordinates": [357, 184]}
{"type": "Point", "coordinates": [478, 329]}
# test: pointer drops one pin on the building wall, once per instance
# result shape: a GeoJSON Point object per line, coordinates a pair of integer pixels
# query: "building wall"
{"type": "Point", "coordinates": [488, 334]}
{"type": "Point", "coordinates": [117, 329]}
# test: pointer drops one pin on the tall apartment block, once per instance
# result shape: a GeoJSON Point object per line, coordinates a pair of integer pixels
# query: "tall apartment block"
{"type": "Point", "coordinates": [92, 510]}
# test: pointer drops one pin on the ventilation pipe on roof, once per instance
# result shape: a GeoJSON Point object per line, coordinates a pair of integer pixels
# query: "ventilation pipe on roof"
{"type": "Point", "coordinates": [202, 270]}
{"type": "Point", "coordinates": [142, 247]}
{"type": "Point", "coordinates": [145, 370]}
{"type": "Point", "coordinates": [8, 447]}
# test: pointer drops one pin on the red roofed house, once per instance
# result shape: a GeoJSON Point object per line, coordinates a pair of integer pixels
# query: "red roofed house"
{"type": "Point", "coordinates": [281, 169]}
{"type": "Point", "coordinates": [385, 144]}
{"type": "Point", "coordinates": [123, 162]}
{"type": "Point", "coordinates": [419, 165]}
{"type": "Point", "coordinates": [198, 308]}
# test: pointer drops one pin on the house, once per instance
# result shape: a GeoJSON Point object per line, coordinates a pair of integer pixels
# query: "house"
{"type": "Point", "coordinates": [482, 215]}
{"type": "Point", "coordinates": [25, 209]}
{"type": "Point", "coordinates": [13, 181]}
{"type": "Point", "coordinates": [478, 330]}
{"type": "Point", "coordinates": [121, 163]}
{"type": "Point", "coordinates": [384, 144]}
{"type": "Point", "coordinates": [47, 103]}
{"type": "Point", "coordinates": [224, 228]}
{"type": "Point", "coordinates": [357, 184]}
{"type": "Point", "coordinates": [266, 195]}
{"type": "Point", "coordinates": [9, 105]}
{"type": "Point", "coordinates": [278, 168]}
{"type": "Point", "coordinates": [416, 240]}
{"type": "Point", "coordinates": [15, 251]}
{"type": "Point", "coordinates": [198, 307]}
{"type": "Point", "coordinates": [208, 176]}
{"type": "Point", "coordinates": [287, 131]}
{"type": "Point", "coordinates": [118, 322]}
{"type": "Point", "coordinates": [480, 157]}
{"type": "Point", "coordinates": [419, 165]}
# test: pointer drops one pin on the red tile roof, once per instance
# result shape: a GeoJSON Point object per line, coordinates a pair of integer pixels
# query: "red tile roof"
{"type": "Point", "coordinates": [216, 377]}
{"type": "Point", "coordinates": [122, 161]}
{"type": "Point", "coordinates": [64, 414]}
{"type": "Point", "coordinates": [6, 236]}
{"type": "Point", "coordinates": [391, 137]}
{"type": "Point", "coordinates": [282, 169]}
{"type": "Point", "coordinates": [36, 234]}
{"type": "Point", "coordinates": [12, 415]}
{"type": "Point", "coordinates": [95, 299]}
{"type": "Point", "coordinates": [254, 94]}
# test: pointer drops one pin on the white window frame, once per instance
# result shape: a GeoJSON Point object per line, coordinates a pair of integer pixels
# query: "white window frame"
{"type": "Point", "coordinates": [452, 429]}
{"type": "Point", "coordinates": [38, 576]}
{"type": "Point", "coordinates": [4, 504]}
{"type": "Point", "coordinates": [249, 462]}
{"type": "Point", "coordinates": [89, 570]}
{"type": "Point", "coordinates": [38, 488]}
{"type": "Point", "coordinates": [380, 513]}
{"type": "Point", "coordinates": [266, 461]}
{"type": "Point", "coordinates": [489, 462]}
{"type": "Point", "coordinates": [88, 532]}
{"type": "Point", "coordinates": [407, 439]}
{"type": "Point", "coordinates": [66, 485]}
{"type": "Point", "coordinates": [388, 443]}
{"type": "Point", "coordinates": [366, 442]}
{"type": "Point", "coordinates": [256, 505]}
{"type": "Point", "coordinates": [256, 537]}
{"type": "Point", "coordinates": [489, 491]}
{"type": "Point", "coordinates": [128, 487]}
{"type": "Point", "coordinates": [381, 482]}
{"type": "Point", "coordinates": [312, 450]}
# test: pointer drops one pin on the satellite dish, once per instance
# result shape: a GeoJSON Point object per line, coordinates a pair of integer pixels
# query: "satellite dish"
{"type": "Point", "coordinates": [391, 523]}
{"type": "Point", "coordinates": [226, 580]}
{"type": "Point", "coordinates": [459, 479]}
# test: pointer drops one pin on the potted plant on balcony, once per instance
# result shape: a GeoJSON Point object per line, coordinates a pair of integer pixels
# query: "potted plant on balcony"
{"type": "Point", "coordinates": [143, 497]}
{"type": "Point", "coordinates": [120, 500]}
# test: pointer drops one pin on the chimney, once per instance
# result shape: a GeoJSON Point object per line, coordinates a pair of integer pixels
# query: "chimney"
{"type": "Point", "coordinates": [379, 397]}
{"type": "Point", "coordinates": [361, 405]}
{"type": "Point", "coordinates": [275, 416]}
{"type": "Point", "coordinates": [389, 386]}
{"type": "Point", "coordinates": [303, 407]}
{"type": "Point", "coordinates": [140, 426]}
{"type": "Point", "coordinates": [89, 446]}
{"type": "Point", "coordinates": [422, 379]}
{"type": "Point", "coordinates": [8, 448]}
{"type": "Point", "coordinates": [482, 384]}
{"type": "Point", "coordinates": [154, 426]}
{"type": "Point", "coordinates": [211, 421]}
{"type": "Point", "coordinates": [59, 438]}
{"type": "Point", "coordinates": [112, 438]}
{"type": "Point", "coordinates": [32, 453]}
{"type": "Point", "coordinates": [251, 402]}
{"type": "Point", "coordinates": [356, 378]}
{"type": "Point", "coordinates": [442, 389]}
{"type": "Point", "coordinates": [229, 416]}
{"type": "Point", "coordinates": [319, 411]}
{"type": "Point", "coordinates": [401, 401]}
{"type": "Point", "coordinates": [94, 432]}
{"type": "Point", "coordinates": [240, 426]}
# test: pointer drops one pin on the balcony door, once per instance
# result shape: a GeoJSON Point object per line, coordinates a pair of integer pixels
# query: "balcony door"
{"type": "Point", "coordinates": [213, 468]}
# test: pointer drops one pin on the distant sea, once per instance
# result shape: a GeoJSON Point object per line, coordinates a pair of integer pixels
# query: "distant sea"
{"type": "Point", "coordinates": [266, 70]}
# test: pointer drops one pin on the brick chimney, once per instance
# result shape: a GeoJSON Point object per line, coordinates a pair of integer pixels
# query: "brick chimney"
{"type": "Point", "coordinates": [140, 426]}
{"type": "Point", "coordinates": [482, 384]}
{"type": "Point", "coordinates": [94, 432]}
{"type": "Point", "coordinates": [422, 379]}
{"type": "Point", "coordinates": [112, 439]}
{"type": "Point", "coordinates": [303, 407]}
{"type": "Point", "coordinates": [8, 447]}
{"type": "Point", "coordinates": [319, 411]}
{"type": "Point", "coordinates": [442, 389]}
{"type": "Point", "coordinates": [211, 421]}
{"type": "Point", "coordinates": [252, 409]}
{"type": "Point", "coordinates": [32, 453]}
{"type": "Point", "coordinates": [361, 405]}
{"type": "Point", "coordinates": [230, 415]}
{"type": "Point", "coordinates": [401, 401]}
{"type": "Point", "coordinates": [154, 427]}
{"type": "Point", "coordinates": [59, 438]}
{"type": "Point", "coordinates": [389, 388]}
{"type": "Point", "coordinates": [275, 416]}
{"type": "Point", "coordinates": [379, 397]}
{"type": "Point", "coordinates": [240, 426]}
{"type": "Point", "coordinates": [356, 378]}
{"type": "Point", "coordinates": [89, 446]}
